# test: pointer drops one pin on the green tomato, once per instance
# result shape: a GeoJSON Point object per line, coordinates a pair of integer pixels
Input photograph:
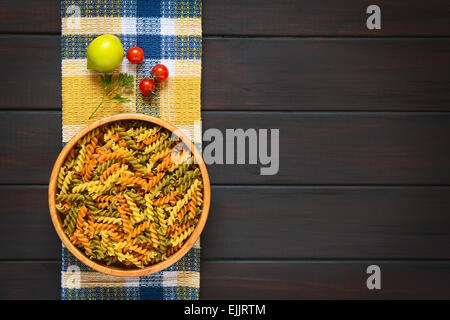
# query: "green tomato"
{"type": "Point", "coordinates": [104, 53]}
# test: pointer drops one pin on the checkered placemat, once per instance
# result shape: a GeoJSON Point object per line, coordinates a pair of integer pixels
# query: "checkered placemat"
{"type": "Point", "coordinates": [169, 31]}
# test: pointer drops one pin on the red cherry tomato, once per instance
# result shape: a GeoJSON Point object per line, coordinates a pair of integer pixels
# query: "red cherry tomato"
{"type": "Point", "coordinates": [146, 86]}
{"type": "Point", "coordinates": [160, 73]}
{"type": "Point", "coordinates": [135, 55]}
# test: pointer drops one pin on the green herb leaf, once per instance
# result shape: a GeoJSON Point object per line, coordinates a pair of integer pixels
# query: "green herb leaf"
{"type": "Point", "coordinates": [123, 80]}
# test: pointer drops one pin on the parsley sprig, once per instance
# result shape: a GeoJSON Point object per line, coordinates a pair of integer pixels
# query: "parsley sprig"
{"type": "Point", "coordinates": [111, 86]}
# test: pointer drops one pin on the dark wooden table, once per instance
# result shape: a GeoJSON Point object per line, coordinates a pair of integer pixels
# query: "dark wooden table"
{"type": "Point", "coordinates": [364, 148]}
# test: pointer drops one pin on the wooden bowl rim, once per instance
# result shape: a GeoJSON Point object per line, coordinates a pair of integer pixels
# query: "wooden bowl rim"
{"type": "Point", "coordinates": [115, 271]}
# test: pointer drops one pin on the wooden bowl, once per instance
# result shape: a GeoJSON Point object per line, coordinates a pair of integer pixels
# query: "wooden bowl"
{"type": "Point", "coordinates": [116, 271]}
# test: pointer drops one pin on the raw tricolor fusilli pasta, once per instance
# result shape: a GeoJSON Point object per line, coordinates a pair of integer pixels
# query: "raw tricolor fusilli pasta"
{"type": "Point", "coordinates": [129, 194]}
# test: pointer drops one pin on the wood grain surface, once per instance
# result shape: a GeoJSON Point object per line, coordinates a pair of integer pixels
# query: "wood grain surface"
{"type": "Point", "coordinates": [326, 74]}
{"type": "Point", "coordinates": [30, 16]}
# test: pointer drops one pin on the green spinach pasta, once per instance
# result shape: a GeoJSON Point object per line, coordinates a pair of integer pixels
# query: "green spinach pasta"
{"type": "Point", "coordinates": [129, 194]}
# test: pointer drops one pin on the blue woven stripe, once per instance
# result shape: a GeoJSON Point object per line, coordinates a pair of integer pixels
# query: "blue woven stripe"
{"type": "Point", "coordinates": [74, 46]}
{"type": "Point", "coordinates": [147, 25]}
{"type": "Point", "coordinates": [148, 8]}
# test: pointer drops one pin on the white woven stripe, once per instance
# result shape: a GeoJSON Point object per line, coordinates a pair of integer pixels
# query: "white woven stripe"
{"type": "Point", "coordinates": [132, 282]}
{"type": "Point", "coordinates": [128, 25]}
{"type": "Point", "coordinates": [167, 26]}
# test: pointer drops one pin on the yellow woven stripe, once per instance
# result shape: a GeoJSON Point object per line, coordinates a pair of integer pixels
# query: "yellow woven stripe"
{"type": "Point", "coordinates": [188, 26]}
{"type": "Point", "coordinates": [188, 68]}
{"type": "Point", "coordinates": [91, 25]}
{"type": "Point", "coordinates": [81, 95]}
{"type": "Point", "coordinates": [179, 100]}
